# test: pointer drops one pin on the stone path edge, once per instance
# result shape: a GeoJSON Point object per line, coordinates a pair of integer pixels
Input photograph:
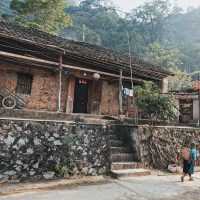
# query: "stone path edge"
{"type": "Point", "coordinates": [15, 188]}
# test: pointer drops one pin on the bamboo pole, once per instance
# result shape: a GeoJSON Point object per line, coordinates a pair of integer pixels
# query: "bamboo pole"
{"type": "Point", "coordinates": [120, 93]}
{"type": "Point", "coordinates": [60, 83]}
{"type": "Point", "coordinates": [199, 101]}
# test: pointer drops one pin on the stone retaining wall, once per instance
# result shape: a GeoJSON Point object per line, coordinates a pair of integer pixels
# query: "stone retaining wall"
{"type": "Point", "coordinates": [165, 141]}
{"type": "Point", "coordinates": [159, 146]}
{"type": "Point", "coordinates": [36, 150]}
{"type": "Point", "coordinates": [33, 150]}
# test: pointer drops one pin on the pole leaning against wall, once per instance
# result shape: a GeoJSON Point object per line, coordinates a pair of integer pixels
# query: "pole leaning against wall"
{"type": "Point", "coordinates": [196, 87]}
{"type": "Point", "coordinates": [60, 83]}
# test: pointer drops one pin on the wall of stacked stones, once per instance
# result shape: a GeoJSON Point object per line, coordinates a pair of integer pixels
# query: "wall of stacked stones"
{"type": "Point", "coordinates": [160, 146]}
{"type": "Point", "coordinates": [32, 150]}
{"type": "Point", "coordinates": [157, 147]}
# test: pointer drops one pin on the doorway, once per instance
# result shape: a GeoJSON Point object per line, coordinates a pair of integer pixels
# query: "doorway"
{"type": "Point", "coordinates": [80, 96]}
{"type": "Point", "coordinates": [186, 111]}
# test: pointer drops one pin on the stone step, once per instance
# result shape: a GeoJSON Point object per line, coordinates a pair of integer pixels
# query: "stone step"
{"type": "Point", "coordinates": [122, 157]}
{"type": "Point", "coordinates": [115, 150]}
{"type": "Point", "coordinates": [46, 115]}
{"type": "Point", "coordinates": [129, 173]}
{"type": "Point", "coordinates": [116, 143]}
{"type": "Point", "coordinates": [96, 121]}
{"type": "Point", "coordinates": [126, 165]}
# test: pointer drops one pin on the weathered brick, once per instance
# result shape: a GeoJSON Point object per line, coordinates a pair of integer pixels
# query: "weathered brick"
{"type": "Point", "coordinates": [44, 88]}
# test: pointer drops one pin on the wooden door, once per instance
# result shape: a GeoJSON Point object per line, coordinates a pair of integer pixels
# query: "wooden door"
{"type": "Point", "coordinates": [70, 95]}
{"type": "Point", "coordinates": [80, 96]}
{"type": "Point", "coordinates": [96, 92]}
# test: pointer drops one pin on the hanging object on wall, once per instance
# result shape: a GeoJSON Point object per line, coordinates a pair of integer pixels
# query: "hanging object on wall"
{"type": "Point", "coordinates": [82, 81]}
{"type": "Point", "coordinates": [96, 76]}
{"type": "Point", "coordinates": [66, 72]}
{"type": "Point", "coordinates": [9, 102]}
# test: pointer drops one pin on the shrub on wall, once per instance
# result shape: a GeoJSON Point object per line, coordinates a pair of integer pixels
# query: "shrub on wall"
{"type": "Point", "coordinates": [155, 105]}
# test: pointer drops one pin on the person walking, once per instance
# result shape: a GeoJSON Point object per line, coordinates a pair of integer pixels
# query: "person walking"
{"type": "Point", "coordinates": [188, 165]}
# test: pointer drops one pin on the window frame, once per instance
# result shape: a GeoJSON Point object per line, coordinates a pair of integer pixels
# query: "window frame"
{"type": "Point", "coordinates": [24, 83]}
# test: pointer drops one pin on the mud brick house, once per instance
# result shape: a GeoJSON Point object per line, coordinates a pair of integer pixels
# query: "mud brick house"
{"type": "Point", "coordinates": [55, 74]}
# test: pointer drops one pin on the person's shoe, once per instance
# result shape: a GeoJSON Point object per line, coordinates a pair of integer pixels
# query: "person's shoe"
{"type": "Point", "coordinates": [182, 179]}
{"type": "Point", "coordinates": [191, 179]}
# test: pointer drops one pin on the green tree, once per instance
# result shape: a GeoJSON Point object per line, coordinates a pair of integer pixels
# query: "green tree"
{"type": "Point", "coordinates": [191, 57]}
{"type": "Point", "coordinates": [104, 26]}
{"type": "Point", "coordinates": [152, 15]}
{"type": "Point", "coordinates": [46, 15]}
{"type": "Point", "coordinates": [4, 8]}
{"type": "Point", "coordinates": [162, 56]}
{"type": "Point", "coordinates": [156, 106]}
{"type": "Point", "coordinates": [180, 82]}
{"type": "Point", "coordinates": [171, 59]}
{"type": "Point", "coordinates": [96, 23]}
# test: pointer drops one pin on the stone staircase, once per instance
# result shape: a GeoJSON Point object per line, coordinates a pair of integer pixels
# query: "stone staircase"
{"type": "Point", "coordinates": [123, 164]}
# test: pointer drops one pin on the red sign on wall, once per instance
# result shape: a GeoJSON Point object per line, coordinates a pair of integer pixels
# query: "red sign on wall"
{"type": "Point", "coordinates": [196, 85]}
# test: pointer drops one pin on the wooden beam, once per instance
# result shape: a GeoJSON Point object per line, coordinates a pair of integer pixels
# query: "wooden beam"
{"type": "Point", "coordinates": [120, 93]}
{"type": "Point", "coordinates": [6, 54]}
{"type": "Point", "coordinates": [60, 83]}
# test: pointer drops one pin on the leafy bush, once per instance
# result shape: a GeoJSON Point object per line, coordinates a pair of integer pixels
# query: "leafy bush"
{"type": "Point", "coordinates": [155, 105]}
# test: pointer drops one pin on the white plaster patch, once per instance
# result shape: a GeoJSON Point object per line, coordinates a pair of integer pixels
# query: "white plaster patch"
{"type": "Point", "coordinates": [36, 165]}
{"type": "Point", "coordinates": [37, 141]}
{"type": "Point", "coordinates": [47, 135]}
{"type": "Point", "coordinates": [55, 135]}
{"type": "Point", "coordinates": [25, 166]}
{"type": "Point", "coordinates": [10, 173]}
{"type": "Point", "coordinates": [9, 140]}
{"type": "Point", "coordinates": [18, 168]}
{"type": "Point", "coordinates": [16, 147]}
{"type": "Point", "coordinates": [21, 141]}
{"type": "Point", "coordinates": [29, 151]}
{"type": "Point", "coordinates": [32, 173]}
{"type": "Point", "coordinates": [57, 142]}
{"type": "Point", "coordinates": [26, 132]}
{"type": "Point", "coordinates": [19, 128]}
{"type": "Point", "coordinates": [48, 175]}
{"type": "Point", "coordinates": [19, 162]}
{"type": "Point", "coordinates": [51, 139]}
{"type": "Point", "coordinates": [80, 148]}
{"type": "Point", "coordinates": [51, 158]}
{"type": "Point", "coordinates": [86, 140]}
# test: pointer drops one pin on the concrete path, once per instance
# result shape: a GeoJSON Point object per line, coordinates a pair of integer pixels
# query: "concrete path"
{"type": "Point", "coordinates": [166, 187]}
{"type": "Point", "coordinates": [13, 188]}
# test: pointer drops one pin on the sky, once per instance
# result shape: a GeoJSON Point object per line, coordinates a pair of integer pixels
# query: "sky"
{"type": "Point", "coordinates": [127, 5]}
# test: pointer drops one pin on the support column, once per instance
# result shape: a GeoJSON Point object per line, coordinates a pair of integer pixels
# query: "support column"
{"type": "Point", "coordinates": [120, 93]}
{"type": "Point", "coordinates": [199, 107]}
{"type": "Point", "coordinates": [60, 83]}
{"type": "Point", "coordinates": [199, 101]}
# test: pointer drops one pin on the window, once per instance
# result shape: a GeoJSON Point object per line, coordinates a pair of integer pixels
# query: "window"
{"type": "Point", "coordinates": [24, 83]}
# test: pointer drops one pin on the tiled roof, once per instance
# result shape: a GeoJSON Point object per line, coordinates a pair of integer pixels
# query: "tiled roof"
{"type": "Point", "coordinates": [82, 49]}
